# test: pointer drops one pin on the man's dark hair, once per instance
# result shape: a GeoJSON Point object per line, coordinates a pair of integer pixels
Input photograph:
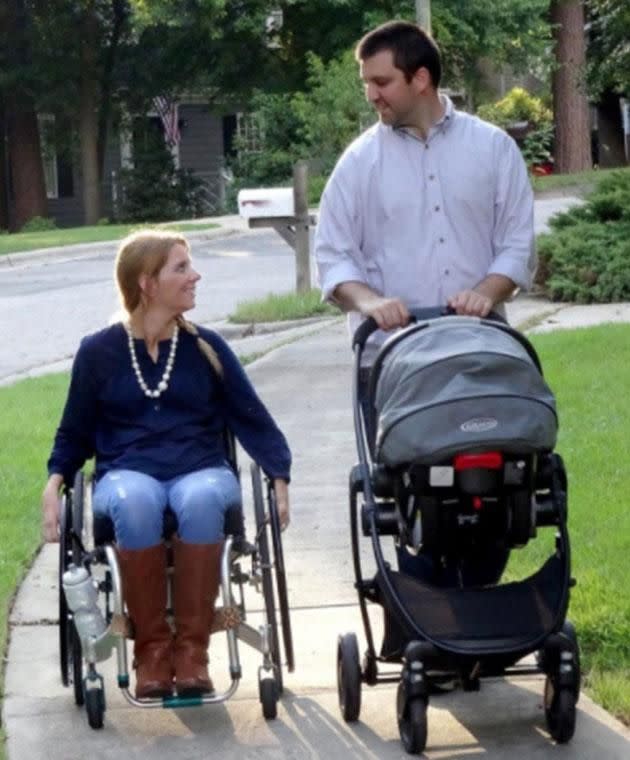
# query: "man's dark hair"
{"type": "Point", "coordinates": [411, 47]}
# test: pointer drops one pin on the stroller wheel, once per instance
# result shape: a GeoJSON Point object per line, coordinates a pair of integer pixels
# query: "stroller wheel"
{"type": "Point", "coordinates": [348, 677]}
{"type": "Point", "coordinates": [559, 711]}
{"type": "Point", "coordinates": [412, 721]}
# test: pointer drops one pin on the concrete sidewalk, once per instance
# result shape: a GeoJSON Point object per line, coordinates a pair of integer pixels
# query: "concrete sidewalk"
{"type": "Point", "coordinates": [306, 385]}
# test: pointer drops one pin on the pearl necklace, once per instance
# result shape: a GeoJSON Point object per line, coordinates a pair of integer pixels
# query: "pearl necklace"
{"type": "Point", "coordinates": [163, 384]}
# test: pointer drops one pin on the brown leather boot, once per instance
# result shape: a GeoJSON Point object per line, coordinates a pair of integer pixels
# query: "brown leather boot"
{"type": "Point", "coordinates": [197, 573]}
{"type": "Point", "coordinates": [144, 584]}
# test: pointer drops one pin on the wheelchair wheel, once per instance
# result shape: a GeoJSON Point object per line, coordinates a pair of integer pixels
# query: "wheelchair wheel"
{"type": "Point", "coordinates": [281, 582]}
{"type": "Point", "coordinates": [70, 652]}
{"type": "Point", "coordinates": [412, 721]}
{"type": "Point", "coordinates": [268, 694]}
{"type": "Point", "coordinates": [95, 707]}
{"type": "Point", "coordinates": [348, 677]}
{"type": "Point", "coordinates": [264, 557]}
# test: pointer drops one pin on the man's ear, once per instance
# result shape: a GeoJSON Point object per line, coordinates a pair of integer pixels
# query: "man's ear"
{"type": "Point", "coordinates": [421, 80]}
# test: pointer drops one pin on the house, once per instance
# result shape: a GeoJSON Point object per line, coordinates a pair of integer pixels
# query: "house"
{"type": "Point", "coordinates": [204, 139]}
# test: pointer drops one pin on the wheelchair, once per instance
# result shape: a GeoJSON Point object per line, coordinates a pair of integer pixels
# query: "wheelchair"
{"type": "Point", "coordinates": [259, 564]}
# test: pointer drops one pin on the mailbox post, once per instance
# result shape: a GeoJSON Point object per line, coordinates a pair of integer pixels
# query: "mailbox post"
{"type": "Point", "coordinates": [286, 210]}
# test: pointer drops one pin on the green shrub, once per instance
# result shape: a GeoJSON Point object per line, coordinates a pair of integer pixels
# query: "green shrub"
{"type": "Point", "coordinates": [39, 224]}
{"type": "Point", "coordinates": [520, 106]}
{"type": "Point", "coordinates": [155, 191]}
{"type": "Point", "coordinates": [586, 256]}
{"type": "Point", "coordinates": [517, 105]}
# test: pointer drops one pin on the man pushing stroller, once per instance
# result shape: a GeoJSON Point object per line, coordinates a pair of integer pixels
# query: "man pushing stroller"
{"type": "Point", "coordinates": [430, 206]}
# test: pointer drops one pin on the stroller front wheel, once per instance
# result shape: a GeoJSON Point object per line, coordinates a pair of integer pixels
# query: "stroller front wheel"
{"type": "Point", "coordinates": [559, 712]}
{"type": "Point", "coordinates": [412, 721]}
{"type": "Point", "coordinates": [349, 677]}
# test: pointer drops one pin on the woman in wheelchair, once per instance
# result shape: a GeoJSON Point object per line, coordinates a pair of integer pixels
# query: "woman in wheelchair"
{"type": "Point", "coordinates": [150, 398]}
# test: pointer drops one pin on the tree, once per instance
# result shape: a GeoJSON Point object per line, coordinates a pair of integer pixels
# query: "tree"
{"type": "Point", "coordinates": [570, 104]}
{"type": "Point", "coordinates": [20, 116]}
{"type": "Point", "coordinates": [608, 49]}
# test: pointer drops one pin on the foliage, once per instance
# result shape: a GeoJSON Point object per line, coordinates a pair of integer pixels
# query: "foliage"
{"type": "Point", "coordinates": [154, 190]}
{"type": "Point", "coordinates": [520, 106]}
{"type": "Point", "coordinates": [316, 124]}
{"type": "Point", "coordinates": [333, 110]}
{"type": "Point", "coordinates": [517, 105]}
{"type": "Point", "coordinates": [38, 224]}
{"type": "Point", "coordinates": [586, 257]}
{"type": "Point", "coordinates": [608, 49]}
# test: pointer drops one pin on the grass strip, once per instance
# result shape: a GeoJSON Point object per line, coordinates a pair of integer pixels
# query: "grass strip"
{"type": "Point", "coordinates": [282, 307]}
{"type": "Point", "coordinates": [580, 183]}
{"type": "Point", "coordinates": [30, 241]}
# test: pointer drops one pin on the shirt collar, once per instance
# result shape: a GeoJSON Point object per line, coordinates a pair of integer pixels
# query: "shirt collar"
{"type": "Point", "coordinates": [441, 125]}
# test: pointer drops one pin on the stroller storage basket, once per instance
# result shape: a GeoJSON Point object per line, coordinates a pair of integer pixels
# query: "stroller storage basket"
{"type": "Point", "coordinates": [449, 386]}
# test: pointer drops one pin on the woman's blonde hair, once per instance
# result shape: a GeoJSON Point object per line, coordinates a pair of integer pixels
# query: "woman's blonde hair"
{"type": "Point", "coordinates": [142, 252]}
{"type": "Point", "coordinates": [145, 252]}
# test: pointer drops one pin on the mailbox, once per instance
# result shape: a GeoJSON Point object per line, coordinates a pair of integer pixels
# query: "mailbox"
{"type": "Point", "coordinates": [266, 202]}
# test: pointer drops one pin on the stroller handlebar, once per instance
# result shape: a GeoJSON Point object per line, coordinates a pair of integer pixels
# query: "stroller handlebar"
{"type": "Point", "coordinates": [369, 326]}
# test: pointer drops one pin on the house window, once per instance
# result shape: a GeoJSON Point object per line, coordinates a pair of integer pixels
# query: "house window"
{"type": "Point", "coordinates": [49, 153]}
{"type": "Point", "coordinates": [250, 132]}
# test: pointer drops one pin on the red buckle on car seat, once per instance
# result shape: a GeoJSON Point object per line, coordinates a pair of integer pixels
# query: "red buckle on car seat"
{"type": "Point", "coordinates": [489, 460]}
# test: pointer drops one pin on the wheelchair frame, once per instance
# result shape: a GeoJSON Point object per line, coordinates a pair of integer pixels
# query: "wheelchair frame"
{"type": "Point", "coordinates": [78, 659]}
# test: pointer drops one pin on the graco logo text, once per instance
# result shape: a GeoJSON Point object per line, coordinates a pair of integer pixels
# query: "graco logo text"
{"type": "Point", "coordinates": [479, 425]}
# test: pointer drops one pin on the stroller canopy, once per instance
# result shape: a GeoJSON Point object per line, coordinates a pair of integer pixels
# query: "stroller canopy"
{"type": "Point", "coordinates": [459, 384]}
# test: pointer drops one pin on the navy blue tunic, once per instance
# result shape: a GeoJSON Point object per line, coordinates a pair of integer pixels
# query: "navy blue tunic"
{"type": "Point", "coordinates": [108, 416]}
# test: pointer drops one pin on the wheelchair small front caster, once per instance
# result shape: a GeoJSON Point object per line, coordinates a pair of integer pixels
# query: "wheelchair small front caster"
{"type": "Point", "coordinates": [268, 692]}
{"type": "Point", "coordinates": [412, 721]}
{"type": "Point", "coordinates": [94, 694]}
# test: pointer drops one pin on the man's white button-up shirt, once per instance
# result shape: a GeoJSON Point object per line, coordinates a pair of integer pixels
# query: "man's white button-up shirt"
{"type": "Point", "coordinates": [424, 219]}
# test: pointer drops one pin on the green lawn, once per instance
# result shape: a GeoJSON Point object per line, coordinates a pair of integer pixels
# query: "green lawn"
{"type": "Point", "coordinates": [30, 241]}
{"type": "Point", "coordinates": [580, 183]}
{"type": "Point", "coordinates": [589, 371]}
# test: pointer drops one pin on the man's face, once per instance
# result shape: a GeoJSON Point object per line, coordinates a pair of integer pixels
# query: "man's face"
{"type": "Point", "coordinates": [387, 89]}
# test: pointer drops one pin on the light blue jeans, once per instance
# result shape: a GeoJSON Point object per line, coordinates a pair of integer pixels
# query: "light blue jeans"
{"type": "Point", "coordinates": [136, 502]}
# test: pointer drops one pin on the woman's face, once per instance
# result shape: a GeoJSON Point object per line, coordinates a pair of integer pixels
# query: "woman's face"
{"type": "Point", "coordinates": [174, 286]}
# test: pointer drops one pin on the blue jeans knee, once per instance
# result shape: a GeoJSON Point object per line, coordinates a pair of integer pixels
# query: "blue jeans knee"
{"type": "Point", "coordinates": [200, 501]}
{"type": "Point", "coordinates": [135, 503]}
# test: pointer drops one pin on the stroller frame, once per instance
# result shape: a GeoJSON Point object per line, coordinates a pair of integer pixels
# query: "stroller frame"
{"type": "Point", "coordinates": [558, 652]}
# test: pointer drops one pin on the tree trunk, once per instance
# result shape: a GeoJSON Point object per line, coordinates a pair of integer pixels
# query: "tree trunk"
{"type": "Point", "coordinates": [25, 160]}
{"type": "Point", "coordinates": [4, 179]}
{"type": "Point", "coordinates": [88, 118]}
{"type": "Point", "coordinates": [570, 105]}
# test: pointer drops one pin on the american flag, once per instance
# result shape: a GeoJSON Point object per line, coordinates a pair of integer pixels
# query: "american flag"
{"type": "Point", "coordinates": [167, 111]}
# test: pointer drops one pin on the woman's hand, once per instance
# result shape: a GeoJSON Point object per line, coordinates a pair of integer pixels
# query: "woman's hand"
{"type": "Point", "coordinates": [50, 508]}
{"type": "Point", "coordinates": [281, 489]}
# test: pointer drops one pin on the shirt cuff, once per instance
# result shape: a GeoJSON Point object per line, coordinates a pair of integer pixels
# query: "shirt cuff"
{"type": "Point", "coordinates": [344, 271]}
{"type": "Point", "coordinates": [516, 269]}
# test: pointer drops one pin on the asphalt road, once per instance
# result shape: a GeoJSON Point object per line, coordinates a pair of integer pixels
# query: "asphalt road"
{"type": "Point", "coordinates": [47, 306]}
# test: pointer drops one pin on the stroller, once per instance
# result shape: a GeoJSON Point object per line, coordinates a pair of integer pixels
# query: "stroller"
{"type": "Point", "coordinates": [455, 432]}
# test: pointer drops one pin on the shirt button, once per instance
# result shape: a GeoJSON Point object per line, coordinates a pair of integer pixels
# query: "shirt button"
{"type": "Point", "coordinates": [437, 208]}
{"type": "Point", "coordinates": [431, 177]}
{"type": "Point", "coordinates": [441, 240]}
{"type": "Point", "coordinates": [447, 271]}
{"type": "Point", "coordinates": [426, 146]}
